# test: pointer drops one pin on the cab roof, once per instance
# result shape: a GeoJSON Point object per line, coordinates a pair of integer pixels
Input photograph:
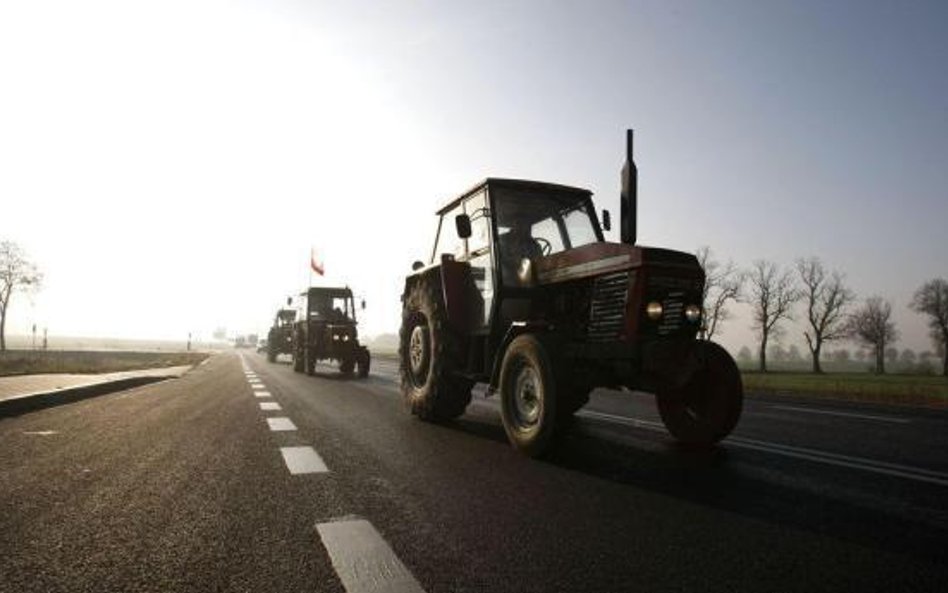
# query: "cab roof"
{"type": "Point", "coordinates": [329, 292]}
{"type": "Point", "coordinates": [516, 184]}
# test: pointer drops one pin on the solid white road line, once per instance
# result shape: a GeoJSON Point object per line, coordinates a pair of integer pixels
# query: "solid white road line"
{"type": "Point", "coordinates": [623, 420]}
{"type": "Point", "coordinates": [871, 465]}
{"type": "Point", "coordinates": [270, 406]}
{"type": "Point", "coordinates": [303, 460]}
{"type": "Point", "coordinates": [281, 423]}
{"type": "Point", "coordinates": [261, 394]}
{"type": "Point", "coordinates": [894, 419]}
{"type": "Point", "coordinates": [880, 467]}
{"type": "Point", "coordinates": [363, 560]}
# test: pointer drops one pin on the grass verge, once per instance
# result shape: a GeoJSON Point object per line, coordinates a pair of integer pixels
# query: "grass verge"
{"type": "Point", "coordinates": [887, 389]}
{"type": "Point", "coordinates": [31, 362]}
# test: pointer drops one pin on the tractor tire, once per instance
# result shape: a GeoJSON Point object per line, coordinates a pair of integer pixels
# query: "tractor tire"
{"type": "Point", "coordinates": [271, 355]}
{"type": "Point", "coordinates": [346, 366]}
{"type": "Point", "coordinates": [297, 361]}
{"type": "Point", "coordinates": [364, 362]}
{"type": "Point", "coordinates": [528, 395]}
{"type": "Point", "coordinates": [706, 409]}
{"type": "Point", "coordinates": [309, 361]}
{"type": "Point", "coordinates": [427, 351]}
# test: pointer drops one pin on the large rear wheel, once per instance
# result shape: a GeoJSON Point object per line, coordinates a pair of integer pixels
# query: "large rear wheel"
{"type": "Point", "coordinates": [706, 409]}
{"type": "Point", "coordinates": [528, 396]}
{"type": "Point", "coordinates": [428, 353]}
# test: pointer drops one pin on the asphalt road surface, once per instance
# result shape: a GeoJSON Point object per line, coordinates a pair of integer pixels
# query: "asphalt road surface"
{"type": "Point", "coordinates": [245, 476]}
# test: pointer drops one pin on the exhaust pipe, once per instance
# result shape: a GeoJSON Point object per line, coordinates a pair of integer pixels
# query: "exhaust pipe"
{"type": "Point", "coordinates": [628, 202]}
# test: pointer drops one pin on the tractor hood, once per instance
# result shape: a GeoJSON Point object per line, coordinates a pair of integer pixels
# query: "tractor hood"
{"type": "Point", "coordinates": [597, 259]}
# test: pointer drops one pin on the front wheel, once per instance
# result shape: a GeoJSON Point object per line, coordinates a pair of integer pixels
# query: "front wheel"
{"type": "Point", "coordinates": [363, 361]}
{"type": "Point", "coordinates": [528, 396]}
{"type": "Point", "coordinates": [346, 366]}
{"type": "Point", "coordinates": [706, 409]}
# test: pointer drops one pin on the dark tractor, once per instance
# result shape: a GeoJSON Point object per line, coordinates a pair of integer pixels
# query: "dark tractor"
{"type": "Point", "coordinates": [325, 329]}
{"type": "Point", "coordinates": [280, 337]}
{"type": "Point", "coordinates": [523, 293]}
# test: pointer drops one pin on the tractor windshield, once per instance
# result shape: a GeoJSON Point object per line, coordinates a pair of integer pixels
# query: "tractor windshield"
{"type": "Point", "coordinates": [532, 224]}
{"type": "Point", "coordinates": [332, 308]}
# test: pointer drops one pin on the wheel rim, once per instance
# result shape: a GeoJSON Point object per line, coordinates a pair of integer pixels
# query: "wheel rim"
{"type": "Point", "coordinates": [418, 353]}
{"type": "Point", "coordinates": [527, 397]}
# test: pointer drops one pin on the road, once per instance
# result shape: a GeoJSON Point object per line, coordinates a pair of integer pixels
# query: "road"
{"type": "Point", "coordinates": [245, 476]}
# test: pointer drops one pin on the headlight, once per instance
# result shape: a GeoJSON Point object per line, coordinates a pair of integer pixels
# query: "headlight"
{"type": "Point", "coordinates": [654, 310]}
{"type": "Point", "coordinates": [345, 338]}
{"type": "Point", "coordinates": [335, 338]}
{"type": "Point", "coordinates": [693, 313]}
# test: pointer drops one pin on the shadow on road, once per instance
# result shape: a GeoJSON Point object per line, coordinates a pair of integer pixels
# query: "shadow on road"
{"type": "Point", "coordinates": [773, 490]}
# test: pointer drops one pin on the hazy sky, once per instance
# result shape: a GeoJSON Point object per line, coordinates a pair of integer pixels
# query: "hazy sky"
{"type": "Point", "coordinates": [169, 164]}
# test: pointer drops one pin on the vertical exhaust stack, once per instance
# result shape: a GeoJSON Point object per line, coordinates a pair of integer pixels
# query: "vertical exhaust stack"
{"type": "Point", "coordinates": [628, 202]}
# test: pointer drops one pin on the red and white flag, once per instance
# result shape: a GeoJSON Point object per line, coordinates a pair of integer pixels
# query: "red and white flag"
{"type": "Point", "coordinates": [315, 262]}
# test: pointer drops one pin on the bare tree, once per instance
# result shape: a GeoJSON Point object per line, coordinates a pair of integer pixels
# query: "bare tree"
{"type": "Point", "coordinates": [721, 284]}
{"type": "Point", "coordinates": [872, 325]}
{"type": "Point", "coordinates": [932, 299]}
{"type": "Point", "coordinates": [827, 298]}
{"type": "Point", "coordinates": [16, 273]}
{"type": "Point", "coordinates": [772, 295]}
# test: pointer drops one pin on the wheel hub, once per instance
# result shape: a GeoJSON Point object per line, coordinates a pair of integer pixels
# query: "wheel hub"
{"type": "Point", "coordinates": [418, 352]}
{"type": "Point", "coordinates": [527, 396]}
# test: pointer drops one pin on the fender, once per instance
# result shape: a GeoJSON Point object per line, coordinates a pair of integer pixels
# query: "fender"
{"type": "Point", "coordinates": [456, 285]}
{"type": "Point", "coordinates": [517, 328]}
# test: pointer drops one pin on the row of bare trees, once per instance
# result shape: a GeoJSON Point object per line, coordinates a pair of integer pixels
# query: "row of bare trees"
{"type": "Point", "coordinates": [830, 310]}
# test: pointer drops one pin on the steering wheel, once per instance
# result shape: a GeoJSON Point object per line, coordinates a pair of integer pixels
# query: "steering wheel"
{"type": "Point", "coordinates": [545, 246]}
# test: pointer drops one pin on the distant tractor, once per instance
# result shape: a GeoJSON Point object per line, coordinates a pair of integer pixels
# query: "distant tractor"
{"type": "Point", "coordinates": [280, 336]}
{"type": "Point", "coordinates": [523, 293]}
{"type": "Point", "coordinates": [325, 329]}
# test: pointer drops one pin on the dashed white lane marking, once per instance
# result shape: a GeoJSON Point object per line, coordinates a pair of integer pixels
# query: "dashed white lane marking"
{"type": "Point", "coordinates": [261, 393]}
{"type": "Point", "coordinates": [270, 406]}
{"type": "Point", "coordinates": [363, 560]}
{"type": "Point", "coordinates": [870, 465]}
{"type": "Point", "coordinates": [41, 433]}
{"type": "Point", "coordinates": [894, 419]}
{"type": "Point", "coordinates": [303, 460]}
{"type": "Point", "coordinates": [281, 423]}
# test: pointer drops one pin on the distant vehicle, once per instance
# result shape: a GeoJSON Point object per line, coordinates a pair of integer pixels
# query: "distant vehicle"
{"type": "Point", "coordinates": [523, 293]}
{"type": "Point", "coordinates": [262, 346]}
{"type": "Point", "coordinates": [280, 337]}
{"type": "Point", "coordinates": [251, 340]}
{"type": "Point", "coordinates": [240, 342]}
{"type": "Point", "coordinates": [325, 329]}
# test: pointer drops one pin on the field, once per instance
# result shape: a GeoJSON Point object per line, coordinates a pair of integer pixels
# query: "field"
{"type": "Point", "coordinates": [903, 389]}
{"type": "Point", "coordinates": [25, 362]}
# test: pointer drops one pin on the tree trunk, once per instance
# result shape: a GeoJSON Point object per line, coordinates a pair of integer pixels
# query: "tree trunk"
{"type": "Point", "coordinates": [880, 359]}
{"type": "Point", "coordinates": [762, 367]}
{"type": "Point", "coordinates": [816, 359]}
{"type": "Point", "coordinates": [3, 332]}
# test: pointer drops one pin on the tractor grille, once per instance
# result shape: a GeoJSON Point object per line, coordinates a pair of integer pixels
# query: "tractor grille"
{"type": "Point", "coordinates": [673, 306]}
{"type": "Point", "coordinates": [607, 309]}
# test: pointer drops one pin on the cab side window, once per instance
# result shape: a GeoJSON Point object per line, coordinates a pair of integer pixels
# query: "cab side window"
{"type": "Point", "coordinates": [448, 240]}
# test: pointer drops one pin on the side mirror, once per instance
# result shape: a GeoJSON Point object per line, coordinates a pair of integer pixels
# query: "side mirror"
{"type": "Point", "coordinates": [289, 301]}
{"type": "Point", "coordinates": [416, 265]}
{"type": "Point", "coordinates": [363, 304]}
{"type": "Point", "coordinates": [606, 220]}
{"type": "Point", "coordinates": [462, 222]}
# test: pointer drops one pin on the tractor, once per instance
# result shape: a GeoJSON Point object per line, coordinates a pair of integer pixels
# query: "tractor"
{"type": "Point", "coordinates": [523, 293]}
{"type": "Point", "coordinates": [280, 336]}
{"type": "Point", "coordinates": [325, 329]}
